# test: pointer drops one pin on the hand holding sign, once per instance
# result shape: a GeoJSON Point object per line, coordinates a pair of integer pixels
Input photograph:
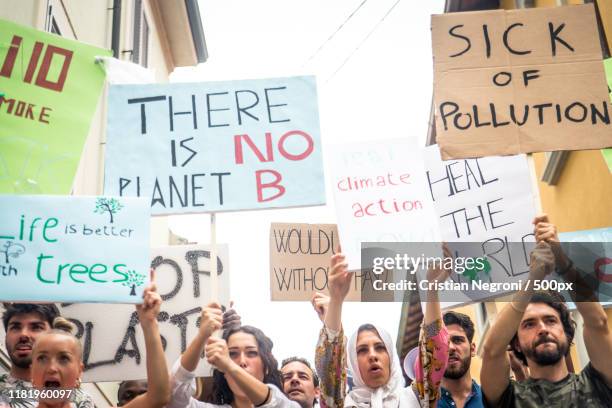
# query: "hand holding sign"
{"type": "Point", "coordinates": [231, 318]}
{"type": "Point", "coordinates": [339, 278]}
{"type": "Point", "coordinates": [217, 354]}
{"type": "Point", "coordinates": [211, 320]}
{"type": "Point", "coordinates": [439, 273]}
{"type": "Point", "coordinates": [150, 307]}
{"type": "Point", "coordinates": [544, 230]}
{"type": "Point", "coordinates": [542, 261]}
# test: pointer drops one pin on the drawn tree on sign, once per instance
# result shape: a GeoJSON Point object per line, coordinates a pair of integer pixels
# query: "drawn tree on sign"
{"type": "Point", "coordinates": [12, 249]}
{"type": "Point", "coordinates": [134, 279]}
{"type": "Point", "coordinates": [472, 273]}
{"type": "Point", "coordinates": [109, 205]}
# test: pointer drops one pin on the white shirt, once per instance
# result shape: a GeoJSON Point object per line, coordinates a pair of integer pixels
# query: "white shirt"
{"type": "Point", "coordinates": [184, 386]}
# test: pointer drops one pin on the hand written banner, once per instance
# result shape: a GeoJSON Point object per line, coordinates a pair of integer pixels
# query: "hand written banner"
{"type": "Point", "coordinates": [514, 81]}
{"type": "Point", "coordinates": [216, 146]}
{"type": "Point", "coordinates": [487, 202]}
{"type": "Point", "coordinates": [299, 264]}
{"type": "Point", "coordinates": [73, 249]}
{"type": "Point", "coordinates": [381, 196]}
{"type": "Point", "coordinates": [50, 87]}
{"type": "Point", "coordinates": [607, 153]}
{"type": "Point", "coordinates": [113, 345]}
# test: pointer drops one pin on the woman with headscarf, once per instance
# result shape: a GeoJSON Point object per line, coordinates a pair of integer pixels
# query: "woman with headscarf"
{"type": "Point", "coordinates": [371, 357]}
{"type": "Point", "coordinates": [246, 373]}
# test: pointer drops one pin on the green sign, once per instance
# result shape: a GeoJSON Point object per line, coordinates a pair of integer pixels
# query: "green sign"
{"type": "Point", "coordinates": [607, 153]}
{"type": "Point", "coordinates": [50, 87]}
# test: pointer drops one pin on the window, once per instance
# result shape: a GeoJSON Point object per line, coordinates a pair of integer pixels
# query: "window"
{"type": "Point", "coordinates": [144, 52]}
{"type": "Point", "coordinates": [140, 45]}
{"type": "Point", "coordinates": [54, 27]}
{"type": "Point", "coordinates": [50, 21]}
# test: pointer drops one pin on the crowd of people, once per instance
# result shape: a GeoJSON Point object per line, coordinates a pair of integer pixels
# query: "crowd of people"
{"type": "Point", "coordinates": [523, 355]}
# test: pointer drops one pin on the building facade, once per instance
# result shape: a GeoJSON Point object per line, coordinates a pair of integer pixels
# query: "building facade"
{"type": "Point", "coordinates": [574, 189]}
{"type": "Point", "coordinates": [159, 35]}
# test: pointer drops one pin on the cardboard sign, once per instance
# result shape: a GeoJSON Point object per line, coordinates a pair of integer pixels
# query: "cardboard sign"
{"type": "Point", "coordinates": [49, 88]}
{"type": "Point", "coordinates": [488, 202]}
{"type": "Point", "coordinates": [381, 196]}
{"type": "Point", "coordinates": [607, 153]}
{"type": "Point", "coordinates": [73, 249]}
{"type": "Point", "coordinates": [299, 264]}
{"type": "Point", "coordinates": [518, 81]}
{"type": "Point", "coordinates": [113, 344]}
{"type": "Point", "coordinates": [216, 146]}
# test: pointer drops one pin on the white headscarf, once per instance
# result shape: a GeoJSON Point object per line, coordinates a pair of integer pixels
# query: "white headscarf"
{"type": "Point", "coordinates": [391, 395]}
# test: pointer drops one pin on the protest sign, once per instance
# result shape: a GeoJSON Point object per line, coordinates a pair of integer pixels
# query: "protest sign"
{"type": "Point", "coordinates": [381, 196]}
{"type": "Point", "coordinates": [597, 256]}
{"type": "Point", "coordinates": [216, 146]}
{"type": "Point", "coordinates": [50, 87]}
{"type": "Point", "coordinates": [488, 202]}
{"type": "Point", "coordinates": [113, 345]}
{"type": "Point", "coordinates": [607, 153]}
{"type": "Point", "coordinates": [300, 257]}
{"type": "Point", "coordinates": [73, 249]}
{"type": "Point", "coordinates": [518, 81]}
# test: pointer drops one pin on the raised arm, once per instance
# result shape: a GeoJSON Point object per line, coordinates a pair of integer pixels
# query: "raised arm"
{"type": "Point", "coordinates": [330, 353]}
{"type": "Point", "coordinates": [211, 320]}
{"type": "Point", "coordinates": [320, 303]}
{"type": "Point", "coordinates": [495, 371]}
{"type": "Point", "coordinates": [432, 306]}
{"type": "Point", "coordinates": [433, 341]}
{"type": "Point", "coordinates": [339, 284]}
{"type": "Point", "coordinates": [158, 390]}
{"type": "Point", "coordinates": [597, 336]}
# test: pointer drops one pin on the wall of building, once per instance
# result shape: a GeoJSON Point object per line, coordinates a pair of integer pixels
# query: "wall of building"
{"type": "Point", "coordinates": [581, 199]}
{"type": "Point", "coordinates": [91, 22]}
{"type": "Point", "coordinates": [22, 12]}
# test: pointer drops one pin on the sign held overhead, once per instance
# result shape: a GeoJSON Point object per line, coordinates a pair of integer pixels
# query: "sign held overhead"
{"type": "Point", "coordinates": [519, 81]}
{"type": "Point", "coordinates": [74, 249]}
{"type": "Point", "coordinates": [216, 146]}
{"type": "Point", "coordinates": [49, 88]}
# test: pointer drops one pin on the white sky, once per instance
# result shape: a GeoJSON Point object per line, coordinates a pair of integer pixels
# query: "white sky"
{"type": "Point", "coordinates": [383, 91]}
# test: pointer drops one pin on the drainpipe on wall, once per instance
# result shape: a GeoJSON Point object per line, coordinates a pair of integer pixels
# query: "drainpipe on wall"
{"type": "Point", "coordinates": [116, 27]}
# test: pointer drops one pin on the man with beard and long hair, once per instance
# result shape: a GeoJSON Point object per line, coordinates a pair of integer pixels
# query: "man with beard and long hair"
{"type": "Point", "coordinates": [23, 323]}
{"type": "Point", "coordinates": [458, 388]}
{"type": "Point", "coordinates": [540, 330]}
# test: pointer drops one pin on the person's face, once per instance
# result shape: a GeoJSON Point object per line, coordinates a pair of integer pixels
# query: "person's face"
{"type": "Point", "coordinates": [460, 352]}
{"type": "Point", "coordinates": [21, 332]}
{"type": "Point", "coordinates": [541, 336]}
{"type": "Point", "coordinates": [56, 362]}
{"type": "Point", "coordinates": [372, 359]}
{"type": "Point", "coordinates": [130, 390]}
{"type": "Point", "coordinates": [243, 351]}
{"type": "Point", "coordinates": [298, 384]}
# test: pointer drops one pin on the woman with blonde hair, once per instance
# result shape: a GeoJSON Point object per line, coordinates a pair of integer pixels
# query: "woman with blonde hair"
{"type": "Point", "coordinates": [57, 361]}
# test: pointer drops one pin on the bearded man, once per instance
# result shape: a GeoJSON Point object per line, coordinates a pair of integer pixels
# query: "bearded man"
{"type": "Point", "coordinates": [540, 330]}
{"type": "Point", "coordinates": [458, 389]}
